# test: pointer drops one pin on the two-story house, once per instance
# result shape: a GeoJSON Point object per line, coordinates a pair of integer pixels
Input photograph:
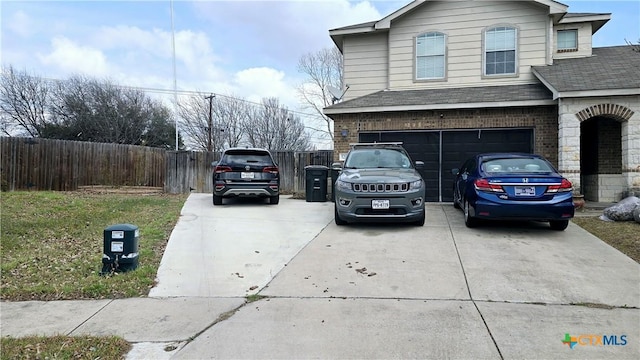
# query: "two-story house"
{"type": "Point", "coordinates": [453, 78]}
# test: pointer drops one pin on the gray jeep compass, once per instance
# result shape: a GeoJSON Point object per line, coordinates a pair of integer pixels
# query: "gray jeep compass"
{"type": "Point", "coordinates": [379, 182]}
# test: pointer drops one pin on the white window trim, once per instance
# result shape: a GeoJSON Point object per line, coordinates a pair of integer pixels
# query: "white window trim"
{"type": "Point", "coordinates": [415, 57]}
{"type": "Point", "coordinates": [558, 49]}
{"type": "Point", "coordinates": [516, 72]}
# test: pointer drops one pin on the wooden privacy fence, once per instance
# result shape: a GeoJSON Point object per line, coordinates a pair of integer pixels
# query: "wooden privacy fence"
{"type": "Point", "coordinates": [191, 170]}
{"type": "Point", "coordinates": [45, 164]}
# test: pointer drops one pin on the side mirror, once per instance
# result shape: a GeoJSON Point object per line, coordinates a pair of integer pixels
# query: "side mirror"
{"type": "Point", "coordinates": [214, 163]}
{"type": "Point", "coordinates": [336, 166]}
{"type": "Point", "coordinates": [455, 171]}
{"type": "Point", "coordinates": [419, 165]}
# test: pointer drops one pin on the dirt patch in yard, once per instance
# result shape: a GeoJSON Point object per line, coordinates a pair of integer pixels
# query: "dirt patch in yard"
{"type": "Point", "coordinates": [137, 190]}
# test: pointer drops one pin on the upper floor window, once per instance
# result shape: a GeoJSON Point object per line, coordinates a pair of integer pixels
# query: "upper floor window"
{"type": "Point", "coordinates": [500, 44]}
{"type": "Point", "coordinates": [430, 56]}
{"type": "Point", "coordinates": [567, 40]}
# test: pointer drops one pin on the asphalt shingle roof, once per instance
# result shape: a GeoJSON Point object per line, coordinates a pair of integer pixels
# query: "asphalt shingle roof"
{"type": "Point", "coordinates": [610, 68]}
{"type": "Point", "coordinates": [449, 96]}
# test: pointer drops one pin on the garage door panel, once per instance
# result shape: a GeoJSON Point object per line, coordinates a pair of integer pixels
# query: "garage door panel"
{"type": "Point", "coordinates": [440, 157]}
{"type": "Point", "coordinates": [457, 146]}
{"type": "Point", "coordinates": [425, 147]}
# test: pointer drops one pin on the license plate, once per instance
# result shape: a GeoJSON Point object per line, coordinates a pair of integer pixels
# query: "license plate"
{"type": "Point", "coordinates": [379, 204]}
{"type": "Point", "coordinates": [525, 190]}
{"type": "Point", "coordinates": [247, 175]}
{"type": "Point", "coordinates": [117, 246]}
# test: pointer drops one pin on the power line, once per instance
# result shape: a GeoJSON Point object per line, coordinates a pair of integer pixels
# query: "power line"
{"type": "Point", "coordinates": [196, 93]}
{"type": "Point", "coordinates": [200, 93]}
{"type": "Point", "coordinates": [187, 92]}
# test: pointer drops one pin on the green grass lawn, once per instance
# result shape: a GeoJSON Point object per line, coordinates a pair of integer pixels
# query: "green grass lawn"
{"type": "Point", "coordinates": [65, 347]}
{"type": "Point", "coordinates": [51, 249]}
{"type": "Point", "coordinates": [51, 246]}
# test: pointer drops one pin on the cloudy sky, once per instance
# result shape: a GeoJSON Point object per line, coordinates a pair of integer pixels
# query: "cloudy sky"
{"type": "Point", "coordinates": [246, 48]}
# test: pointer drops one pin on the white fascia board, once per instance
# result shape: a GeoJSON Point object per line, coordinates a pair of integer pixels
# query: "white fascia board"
{"type": "Point", "coordinates": [385, 23]}
{"type": "Point", "coordinates": [598, 93]}
{"type": "Point", "coordinates": [586, 18]}
{"type": "Point", "coordinates": [554, 6]}
{"type": "Point", "coordinates": [360, 30]}
{"type": "Point", "coordinates": [371, 109]}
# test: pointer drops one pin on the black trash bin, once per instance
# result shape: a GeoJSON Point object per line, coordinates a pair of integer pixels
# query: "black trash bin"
{"type": "Point", "coordinates": [316, 182]}
{"type": "Point", "coordinates": [120, 248]}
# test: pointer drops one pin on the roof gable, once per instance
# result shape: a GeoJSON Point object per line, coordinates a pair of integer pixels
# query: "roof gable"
{"type": "Point", "coordinates": [556, 10]}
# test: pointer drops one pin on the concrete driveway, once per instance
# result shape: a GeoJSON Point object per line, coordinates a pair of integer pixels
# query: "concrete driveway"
{"type": "Point", "coordinates": [390, 291]}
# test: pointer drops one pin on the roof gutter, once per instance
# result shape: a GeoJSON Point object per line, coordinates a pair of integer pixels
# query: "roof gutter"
{"type": "Point", "coordinates": [394, 108]}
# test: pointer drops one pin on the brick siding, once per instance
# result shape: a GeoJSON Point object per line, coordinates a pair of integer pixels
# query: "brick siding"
{"type": "Point", "coordinates": [543, 119]}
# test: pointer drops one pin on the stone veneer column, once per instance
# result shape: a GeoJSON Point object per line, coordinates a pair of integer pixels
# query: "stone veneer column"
{"type": "Point", "coordinates": [631, 153]}
{"type": "Point", "coordinates": [569, 147]}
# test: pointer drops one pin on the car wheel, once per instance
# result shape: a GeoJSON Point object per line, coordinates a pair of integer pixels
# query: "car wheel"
{"type": "Point", "coordinates": [455, 203]}
{"type": "Point", "coordinates": [469, 221]}
{"type": "Point", "coordinates": [559, 225]}
{"type": "Point", "coordinates": [420, 222]}
{"type": "Point", "coordinates": [337, 218]}
{"type": "Point", "coordinates": [274, 200]}
{"type": "Point", "coordinates": [217, 200]}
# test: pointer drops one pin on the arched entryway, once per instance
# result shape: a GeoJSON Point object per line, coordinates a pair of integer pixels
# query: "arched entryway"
{"type": "Point", "coordinates": [601, 151]}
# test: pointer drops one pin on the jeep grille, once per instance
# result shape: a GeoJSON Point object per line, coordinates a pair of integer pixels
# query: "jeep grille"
{"type": "Point", "coordinates": [381, 188]}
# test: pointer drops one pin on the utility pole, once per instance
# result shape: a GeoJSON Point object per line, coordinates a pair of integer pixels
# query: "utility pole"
{"type": "Point", "coordinates": [209, 128]}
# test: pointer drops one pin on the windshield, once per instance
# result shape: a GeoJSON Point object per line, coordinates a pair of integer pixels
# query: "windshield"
{"type": "Point", "coordinates": [377, 158]}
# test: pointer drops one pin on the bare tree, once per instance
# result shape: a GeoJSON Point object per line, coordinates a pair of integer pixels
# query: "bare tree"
{"type": "Point", "coordinates": [272, 126]}
{"type": "Point", "coordinates": [194, 113]}
{"type": "Point", "coordinates": [23, 100]}
{"type": "Point", "coordinates": [634, 47]}
{"type": "Point", "coordinates": [232, 113]}
{"type": "Point", "coordinates": [323, 69]}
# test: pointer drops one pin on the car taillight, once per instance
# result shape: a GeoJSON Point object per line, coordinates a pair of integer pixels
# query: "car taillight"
{"type": "Point", "coordinates": [484, 185]}
{"type": "Point", "coordinates": [270, 169]}
{"type": "Point", "coordinates": [565, 185]}
{"type": "Point", "coordinates": [222, 169]}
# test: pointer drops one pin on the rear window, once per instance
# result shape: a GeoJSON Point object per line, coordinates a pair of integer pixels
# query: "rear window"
{"type": "Point", "coordinates": [516, 165]}
{"type": "Point", "coordinates": [247, 157]}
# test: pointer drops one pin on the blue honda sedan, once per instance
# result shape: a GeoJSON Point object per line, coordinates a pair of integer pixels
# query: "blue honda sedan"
{"type": "Point", "coordinates": [512, 186]}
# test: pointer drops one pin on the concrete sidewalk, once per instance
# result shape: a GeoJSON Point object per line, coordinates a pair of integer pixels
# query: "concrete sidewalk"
{"type": "Point", "coordinates": [363, 291]}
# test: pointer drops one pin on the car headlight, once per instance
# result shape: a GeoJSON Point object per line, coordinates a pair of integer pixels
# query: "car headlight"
{"type": "Point", "coordinates": [414, 185]}
{"type": "Point", "coordinates": [343, 185]}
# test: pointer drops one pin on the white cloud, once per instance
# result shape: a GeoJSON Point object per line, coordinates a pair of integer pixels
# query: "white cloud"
{"type": "Point", "coordinates": [20, 24]}
{"type": "Point", "coordinates": [258, 83]}
{"type": "Point", "coordinates": [73, 58]}
{"type": "Point", "coordinates": [249, 49]}
{"type": "Point", "coordinates": [280, 31]}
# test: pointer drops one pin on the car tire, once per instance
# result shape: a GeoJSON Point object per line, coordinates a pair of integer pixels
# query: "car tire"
{"type": "Point", "coordinates": [455, 203]}
{"type": "Point", "coordinates": [420, 222]}
{"type": "Point", "coordinates": [274, 200]}
{"type": "Point", "coordinates": [559, 225]}
{"type": "Point", "coordinates": [337, 218]}
{"type": "Point", "coordinates": [469, 221]}
{"type": "Point", "coordinates": [217, 200]}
